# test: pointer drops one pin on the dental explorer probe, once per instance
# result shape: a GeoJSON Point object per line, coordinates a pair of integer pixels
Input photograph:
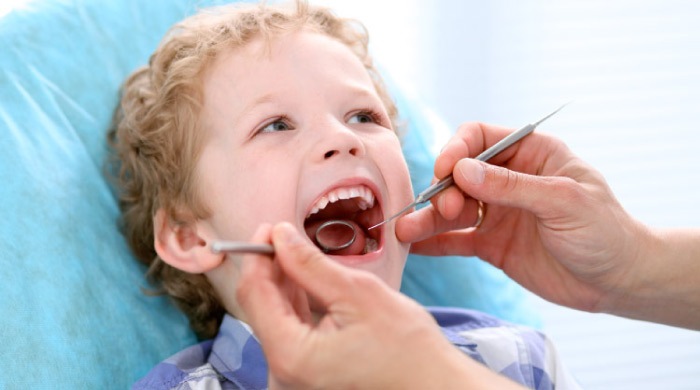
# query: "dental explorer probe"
{"type": "Point", "coordinates": [500, 146]}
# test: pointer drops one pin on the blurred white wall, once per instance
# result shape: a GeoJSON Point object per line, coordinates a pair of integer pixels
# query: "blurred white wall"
{"type": "Point", "coordinates": [633, 71]}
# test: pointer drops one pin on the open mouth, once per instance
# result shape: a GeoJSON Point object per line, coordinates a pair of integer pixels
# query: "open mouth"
{"type": "Point", "coordinates": [356, 205]}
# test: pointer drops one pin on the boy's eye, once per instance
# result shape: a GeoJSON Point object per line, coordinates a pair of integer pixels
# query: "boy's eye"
{"type": "Point", "coordinates": [277, 125]}
{"type": "Point", "coordinates": [363, 117]}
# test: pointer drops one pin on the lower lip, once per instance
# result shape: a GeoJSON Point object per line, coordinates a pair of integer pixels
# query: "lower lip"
{"type": "Point", "coordinates": [359, 259]}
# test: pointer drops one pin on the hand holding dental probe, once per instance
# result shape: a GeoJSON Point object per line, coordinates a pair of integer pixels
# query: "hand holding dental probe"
{"type": "Point", "coordinates": [554, 225]}
{"type": "Point", "coordinates": [448, 181]}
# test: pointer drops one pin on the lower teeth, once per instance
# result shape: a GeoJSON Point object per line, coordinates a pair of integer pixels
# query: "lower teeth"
{"type": "Point", "coordinates": [371, 245]}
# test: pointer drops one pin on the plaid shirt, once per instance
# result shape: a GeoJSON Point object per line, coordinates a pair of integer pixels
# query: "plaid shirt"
{"type": "Point", "coordinates": [234, 359]}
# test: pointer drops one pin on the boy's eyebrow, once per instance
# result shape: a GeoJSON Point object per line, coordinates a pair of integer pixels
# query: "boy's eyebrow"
{"type": "Point", "coordinates": [362, 92]}
{"type": "Point", "coordinates": [266, 98]}
{"type": "Point", "coordinates": [355, 91]}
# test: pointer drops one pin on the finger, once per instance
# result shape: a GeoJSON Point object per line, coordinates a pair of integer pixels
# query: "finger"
{"type": "Point", "coordinates": [426, 222]}
{"type": "Point", "coordinates": [322, 278]}
{"type": "Point", "coordinates": [449, 203]}
{"type": "Point", "coordinates": [298, 299]}
{"type": "Point", "coordinates": [496, 185]}
{"type": "Point", "coordinates": [469, 140]}
{"type": "Point", "coordinates": [454, 243]}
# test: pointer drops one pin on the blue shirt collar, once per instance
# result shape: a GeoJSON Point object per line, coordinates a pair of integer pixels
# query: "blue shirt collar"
{"type": "Point", "coordinates": [237, 355]}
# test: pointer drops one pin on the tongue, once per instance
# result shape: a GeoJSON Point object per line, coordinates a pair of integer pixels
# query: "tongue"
{"type": "Point", "coordinates": [337, 235]}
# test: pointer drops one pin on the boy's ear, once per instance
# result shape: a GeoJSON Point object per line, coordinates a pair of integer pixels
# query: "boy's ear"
{"type": "Point", "coordinates": [183, 246]}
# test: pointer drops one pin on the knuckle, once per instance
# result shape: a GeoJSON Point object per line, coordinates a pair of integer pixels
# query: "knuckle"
{"type": "Point", "coordinates": [570, 190]}
{"type": "Point", "coordinates": [567, 191]}
{"type": "Point", "coordinates": [555, 143]}
{"type": "Point", "coordinates": [468, 128]}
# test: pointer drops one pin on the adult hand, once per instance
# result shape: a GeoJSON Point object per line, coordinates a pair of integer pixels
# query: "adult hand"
{"type": "Point", "coordinates": [551, 222]}
{"type": "Point", "coordinates": [368, 337]}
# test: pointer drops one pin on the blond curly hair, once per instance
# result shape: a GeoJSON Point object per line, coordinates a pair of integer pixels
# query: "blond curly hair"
{"type": "Point", "coordinates": [157, 135]}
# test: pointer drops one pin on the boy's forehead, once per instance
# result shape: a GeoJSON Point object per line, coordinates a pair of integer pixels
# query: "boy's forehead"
{"type": "Point", "coordinates": [269, 47]}
{"type": "Point", "coordinates": [282, 71]}
{"type": "Point", "coordinates": [285, 54]}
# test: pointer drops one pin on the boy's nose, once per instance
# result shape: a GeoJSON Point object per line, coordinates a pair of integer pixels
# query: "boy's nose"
{"type": "Point", "coordinates": [335, 152]}
{"type": "Point", "coordinates": [340, 140]}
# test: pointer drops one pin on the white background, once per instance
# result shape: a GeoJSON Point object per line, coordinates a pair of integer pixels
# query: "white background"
{"type": "Point", "coordinates": [633, 71]}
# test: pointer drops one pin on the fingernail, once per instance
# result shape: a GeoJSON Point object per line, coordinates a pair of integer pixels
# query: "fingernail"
{"type": "Point", "coordinates": [471, 170]}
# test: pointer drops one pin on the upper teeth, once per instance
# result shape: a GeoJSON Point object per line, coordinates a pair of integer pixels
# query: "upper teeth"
{"type": "Point", "coordinates": [363, 196]}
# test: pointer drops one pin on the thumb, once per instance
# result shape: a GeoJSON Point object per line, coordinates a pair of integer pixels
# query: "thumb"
{"type": "Point", "coordinates": [322, 278]}
{"type": "Point", "coordinates": [502, 186]}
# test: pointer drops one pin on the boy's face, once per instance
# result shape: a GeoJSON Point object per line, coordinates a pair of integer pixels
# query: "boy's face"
{"type": "Point", "coordinates": [290, 125]}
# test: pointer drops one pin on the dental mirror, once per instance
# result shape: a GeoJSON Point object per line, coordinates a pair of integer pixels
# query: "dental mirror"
{"type": "Point", "coordinates": [335, 235]}
{"type": "Point", "coordinates": [330, 236]}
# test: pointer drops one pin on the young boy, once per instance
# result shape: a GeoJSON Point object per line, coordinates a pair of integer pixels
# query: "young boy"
{"type": "Point", "coordinates": [254, 114]}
